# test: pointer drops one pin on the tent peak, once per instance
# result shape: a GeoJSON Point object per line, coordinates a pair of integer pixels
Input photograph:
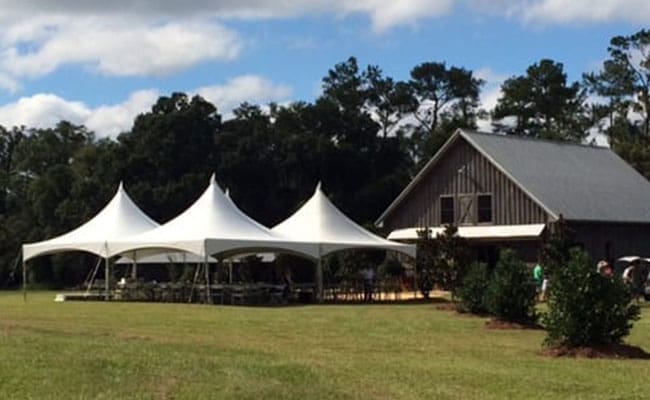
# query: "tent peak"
{"type": "Point", "coordinates": [318, 186]}
{"type": "Point", "coordinates": [227, 193]}
{"type": "Point", "coordinates": [120, 188]}
{"type": "Point", "coordinates": [213, 179]}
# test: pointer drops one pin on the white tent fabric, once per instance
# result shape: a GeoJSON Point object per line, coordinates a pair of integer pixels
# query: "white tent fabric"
{"type": "Point", "coordinates": [212, 225]}
{"type": "Point", "coordinates": [120, 218]}
{"type": "Point", "coordinates": [320, 222]}
{"type": "Point", "coordinates": [163, 258]}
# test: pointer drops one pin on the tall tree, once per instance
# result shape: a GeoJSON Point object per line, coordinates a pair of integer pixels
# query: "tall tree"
{"type": "Point", "coordinates": [388, 100]}
{"type": "Point", "coordinates": [542, 104]}
{"type": "Point", "coordinates": [169, 153]}
{"type": "Point", "coordinates": [9, 139]}
{"type": "Point", "coordinates": [444, 98]}
{"type": "Point", "coordinates": [624, 81]}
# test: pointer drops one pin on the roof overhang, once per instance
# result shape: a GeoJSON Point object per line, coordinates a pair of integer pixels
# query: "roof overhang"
{"type": "Point", "coordinates": [483, 232]}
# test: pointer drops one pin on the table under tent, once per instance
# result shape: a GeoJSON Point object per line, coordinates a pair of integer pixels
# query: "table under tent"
{"type": "Point", "coordinates": [211, 227]}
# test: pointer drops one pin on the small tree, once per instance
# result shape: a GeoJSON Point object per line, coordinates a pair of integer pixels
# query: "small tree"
{"type": "Point", "coordinates": [427, 250]}
{"type": "Point", "coordinates": [556, 249]}
{"type": "Point", "coordinates": [471, 293]}
{"type": "Point", "coordinates": [441, 260]}
{"type": "Point", "coordinates": [451, 260]}
{"type": "Point", "coordinates": [586, 308]}
{"type": "Point", "coordinates": [511, 294]}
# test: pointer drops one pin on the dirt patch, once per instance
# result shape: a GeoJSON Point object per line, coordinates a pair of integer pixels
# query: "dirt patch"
{"type": "Point", "coordinates": [499, 324]}
{"type": "Point", "coordinates": [621, 351]}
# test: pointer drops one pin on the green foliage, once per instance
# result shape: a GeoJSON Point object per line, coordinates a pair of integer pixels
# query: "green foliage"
{"type": "Point", "coordinates": [624, 83]}
{"type": "Point", "coordinates": [425, 261]}
{"type": "Point", "coordinates": [557, 245]}
{"type": "Point", "coordinates": [511, 293]}
{"type": "Point", "coordinates": [443, 99]}
{"type": "Point", "coordinates": [543, 104]}
{"type": "Point", "coordinates": [586, 308]}
{"type": "Point", "coordinates": [471, 292]}
{"type": "Point", "coordinates": [441, 260]}
{"type": "Point", "coordinates": [390, 268]}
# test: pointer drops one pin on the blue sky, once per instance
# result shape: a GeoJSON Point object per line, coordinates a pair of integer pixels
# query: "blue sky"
{"type": "Point", "coordinates": [101, 63]}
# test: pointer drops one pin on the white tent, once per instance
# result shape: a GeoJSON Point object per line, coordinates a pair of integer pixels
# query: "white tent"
{"type": "Point", "coordinates": [118, 219]}
{"type": "Point", "coordinates": [212, 225]}
{"type": "Point", "coordinates": [319, 221]}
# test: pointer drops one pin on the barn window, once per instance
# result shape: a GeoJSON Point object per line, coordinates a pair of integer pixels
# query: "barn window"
{"type": "Point", "coordinates": [484, 208]}
{"type": "Point", "coordinates": [446, 210]}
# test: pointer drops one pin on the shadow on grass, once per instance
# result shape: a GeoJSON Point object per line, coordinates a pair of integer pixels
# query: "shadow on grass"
{"type": "Point", "coordinates": [616, 351]}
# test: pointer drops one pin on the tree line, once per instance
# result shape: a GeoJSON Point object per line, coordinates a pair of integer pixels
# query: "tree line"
{"type": "Point", "coordinates": [364, 137]}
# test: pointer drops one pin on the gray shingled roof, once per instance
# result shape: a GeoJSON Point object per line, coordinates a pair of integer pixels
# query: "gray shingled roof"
{"type": "Point", "coordinates": [580, 182]}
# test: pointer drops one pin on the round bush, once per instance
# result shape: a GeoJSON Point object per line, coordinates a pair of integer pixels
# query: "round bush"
{"type": "Point", "coordinates": [586, 308]}
{"type": "Point", "coordinates": [511, 293]}
{"type": "Point", "coordinates": [471, 292]}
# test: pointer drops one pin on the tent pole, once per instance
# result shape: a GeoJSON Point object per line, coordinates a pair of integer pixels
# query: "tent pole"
{"type": "Point", "coordinates": [24, 282]}
{"type": "Point", "coordinates": [207, 279]}
{"type": "Point", "coordinates": [230, 270]}
{"type": "Point", "coordinates": [134, 267]}
{"type": "Point", "coordinates": [107, 284]}
{"type": "Point", "coordinates": [319, 276]}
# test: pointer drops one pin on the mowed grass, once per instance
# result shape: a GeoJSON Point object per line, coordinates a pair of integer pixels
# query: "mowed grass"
{"type": "Point", "coordinates": [155, 351]}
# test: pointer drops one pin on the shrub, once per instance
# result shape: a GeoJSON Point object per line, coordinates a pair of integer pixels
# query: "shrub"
{"type": "Point", "coordinates": [391, 268]}
{"type": "Point", "coordinates": [440, 260]}
{"type": "Point", "coordinates": [511, 294]}
{"type": "Point", "coordinates": [425, 261]}
{"type": "Point", "coordinates": [586, 308]}
{"type": "Point", "coordinates": [471, 293]}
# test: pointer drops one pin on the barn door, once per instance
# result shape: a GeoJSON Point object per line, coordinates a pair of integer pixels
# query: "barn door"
{"type": "Point", "coordinates": [466, 210]}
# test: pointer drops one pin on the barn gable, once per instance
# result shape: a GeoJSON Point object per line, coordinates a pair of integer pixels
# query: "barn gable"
{"type": "Point", "coordinates": [531, 181]}
{"type": "Point", "coordinates": [461, 175]}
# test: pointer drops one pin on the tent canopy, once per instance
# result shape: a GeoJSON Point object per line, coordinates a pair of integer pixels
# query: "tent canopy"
{"type": "Point", "coordinates": [320, 222]}
{"type": "Point", "coordinates": [118, 219]}
{"type": "Point", "coordinates": [212, 225]}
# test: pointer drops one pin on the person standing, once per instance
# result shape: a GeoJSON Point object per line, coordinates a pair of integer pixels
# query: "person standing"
{"type": "Point", "coordinates": [538, 278]}
{"type": "Point", "coordinates": [368, 283]}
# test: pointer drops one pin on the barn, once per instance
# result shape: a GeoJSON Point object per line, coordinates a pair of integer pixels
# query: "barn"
{"type": "Point", "coordinates": [507, 191]}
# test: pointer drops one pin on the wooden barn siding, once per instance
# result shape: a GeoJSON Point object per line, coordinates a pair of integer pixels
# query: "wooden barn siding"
{"type": "Point", "coordinates": [624, 239]}
{"type": "Point", "coordinates": [421, 206]}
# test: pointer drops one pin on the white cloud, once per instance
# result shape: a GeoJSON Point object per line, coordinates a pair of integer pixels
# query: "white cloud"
{"type": "Point", "coordinates": [158, 37]}
{"type": "Point", "coordinates": [563, 11]}
{"type": "Point", "coordinates": [46, 110]}
{"type": "Point", "coordinates": [116, 47]}
{"type": "Point", "coordinates": [117, 118]}
{"type": "Point", "coordinates": [250, 88]}
{"type": "Point", "coordinates": [490, 94]}
{"type": "Point", "coordinates": [383, 14]}
{"type": "Point", "coordinates": [42, 110]}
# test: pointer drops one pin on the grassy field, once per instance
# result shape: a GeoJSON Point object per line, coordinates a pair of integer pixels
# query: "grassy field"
{"type": "Point", "coordinates": [155, 351]}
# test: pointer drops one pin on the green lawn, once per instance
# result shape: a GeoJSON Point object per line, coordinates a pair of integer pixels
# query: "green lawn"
{"type": "Point", "coordinates": [134, 350]}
